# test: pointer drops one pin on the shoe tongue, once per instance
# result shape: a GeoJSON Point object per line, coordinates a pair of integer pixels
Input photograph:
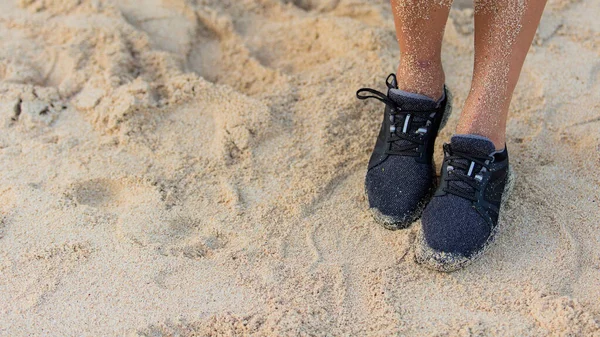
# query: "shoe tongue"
{"type": "Point", "coordinates": [411, 101]}
{"type": "Point", "coordinates": [474, 145]}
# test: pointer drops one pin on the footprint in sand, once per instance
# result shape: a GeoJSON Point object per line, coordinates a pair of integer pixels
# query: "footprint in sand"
{"type": "Point", "coordinates": [188, 237]}
{"type": "Point", "coordinates": [138, 210]}
{"type": "Point", "coordinates": [115, 194]}
{"type": "Point", "coordinates": [172, 233]}
{"type": "Point", "coordinates": [97, 193]}
{"type": "Point", "coordinates": [43, 270]}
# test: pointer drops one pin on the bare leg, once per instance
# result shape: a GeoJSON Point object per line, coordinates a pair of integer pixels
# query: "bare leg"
{"type": "Point", "coordinates": [420, 28]}
{"type": "Point", "coordinates": [504, 30]}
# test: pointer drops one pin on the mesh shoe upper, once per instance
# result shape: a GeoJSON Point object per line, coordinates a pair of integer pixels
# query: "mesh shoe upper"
{"type": "Point", "coordinates": [396, 186]}
{"type": "Point", "coordinates": [463, 213]}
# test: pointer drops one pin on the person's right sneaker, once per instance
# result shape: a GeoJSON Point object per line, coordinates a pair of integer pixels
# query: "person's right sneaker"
{"type": "Point", "coordinates": [400, 177]}
{"type": "Point", "coordinates": [461, 220]}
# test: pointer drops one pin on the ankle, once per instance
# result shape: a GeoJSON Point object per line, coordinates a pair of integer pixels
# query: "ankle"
{"type": "Point", "coordinates": [425, 77]}
{"type": "Point", "coordinates": [490, 131]}
{"type": "Point", "coordinates": [498, 139]}
{"type": "Point", "coordinates": [484, 114]}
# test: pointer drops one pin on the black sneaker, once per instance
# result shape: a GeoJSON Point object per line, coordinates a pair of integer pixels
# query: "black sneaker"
{"type": "Point", "coordinates": [400, 177]}
{"type": "Point", "coordinates": [461, 220]}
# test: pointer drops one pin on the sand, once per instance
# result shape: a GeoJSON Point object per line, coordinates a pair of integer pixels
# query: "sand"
{"type": "Point", "coordinates": [195, 168]}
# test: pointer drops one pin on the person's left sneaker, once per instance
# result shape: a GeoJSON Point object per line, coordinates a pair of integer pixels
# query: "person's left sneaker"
{"type": "Point", "coordinates": [461, 220]}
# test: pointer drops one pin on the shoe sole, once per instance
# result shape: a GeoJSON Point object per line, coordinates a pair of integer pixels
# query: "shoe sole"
{"type": "Point", "coordinates": [394, 223]}
{"type": "Point", "coordinates": [448, 262]}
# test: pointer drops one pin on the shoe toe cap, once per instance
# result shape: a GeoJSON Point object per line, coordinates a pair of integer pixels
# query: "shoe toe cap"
{"type": "Point", "coordinates": [396, 189]}
{"type": "Point", "coordinates": [452, 226]}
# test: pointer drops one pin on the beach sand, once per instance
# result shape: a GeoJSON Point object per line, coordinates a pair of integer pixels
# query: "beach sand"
{"type": "Point", "coordinates": [195, 168]}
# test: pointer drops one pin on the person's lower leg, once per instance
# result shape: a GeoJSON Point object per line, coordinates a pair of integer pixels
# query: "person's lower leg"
{"type": "Point", "coordinates": [420, 28]}
{"type": "Point", "coordinates": [504, 30]}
